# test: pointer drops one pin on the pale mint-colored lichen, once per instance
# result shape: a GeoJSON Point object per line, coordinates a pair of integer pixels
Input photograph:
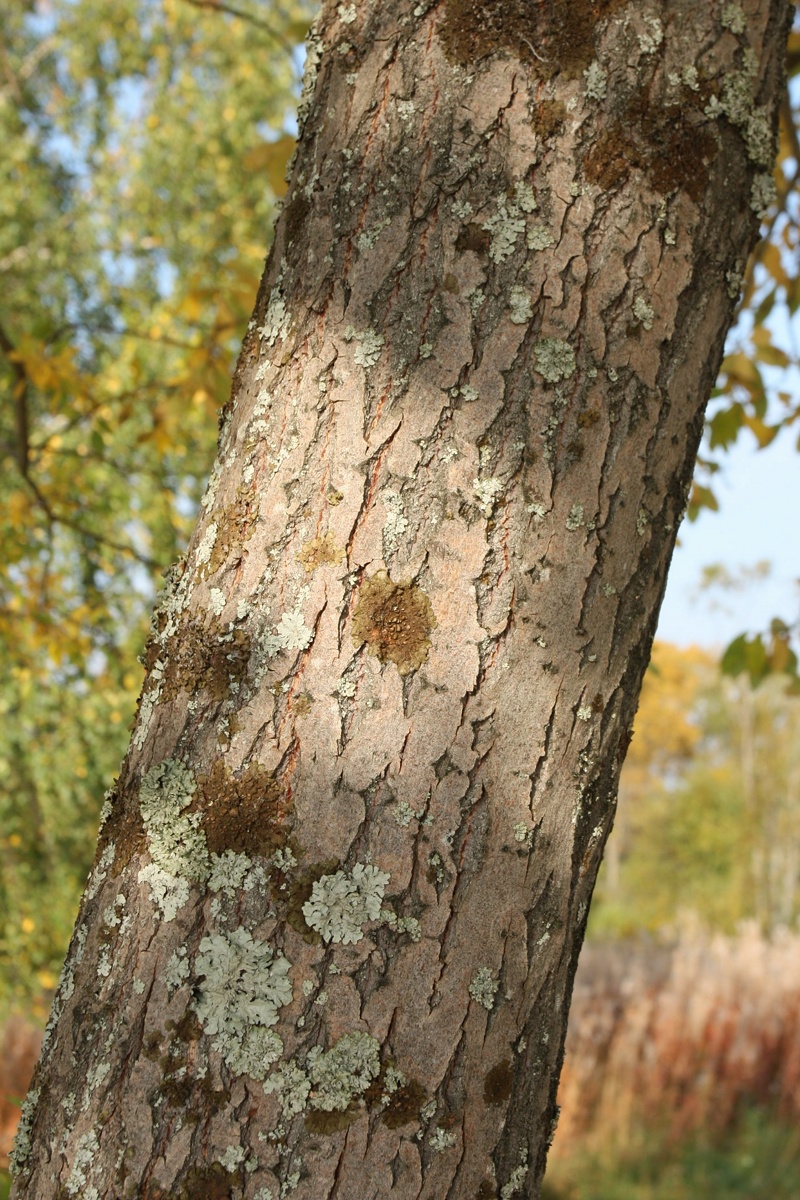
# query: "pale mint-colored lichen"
{"type": "Point", "coordinates": [642, 521]}
{"type": "Point", "coordinates": [341, 1074]}
{"type": "Point", "coordinates": [732, 17]}
{"type": "Point", "coordinates": [342, 903]}
{"type": "Point", "coordinates": [396, 522]}
{"type": "Point", "coordinates": [441, 1139]}
{"type": "Point", "coordinates": [524, 196]}
{"type": "Point", "coordinates": [276, 318]}
{"type": "Point", "coordinates": [85, 1154]}
{"type": "Point", "coordinates": [643, 312]}
{"type": "Point", "coordinates": [100, 872]}
{"type": "Point", "coordinates": [516, 1180]}
{"type": "Point", "coordinates": [737, 102]}
{"type": "Point", "coordinates": [596, 81]}
{"type": "Point", "coordinates": [539, 237]}
{"type": "Point", "coordinates": [461, 209]}
{"type": "Point", "coordinates": [368, 348]}
{"type": "Point", "coordinates": [487, 491]}
{"type": "Point", "coordinates": [22, 1146]}
{"type": "Point", "coordinates": [523, 834]}
{"type": "Point", "coordinates": [177, 971]}
{"type": "Point", "coordinates": [763, 194]}
{"type": "Point", "coordinates": [409, 925]}
{"type": "Point", "coordinates": [293, 1087]}
{"type": "Point", "coordinates": [229, 872]}
{"type": "Point", "coordinates": [483, 988]}
{"type": "Point", "coordinates": [347, 13]}
{"type": "Point", "coordinates": [653, 37]}
{"type": "Point", "coordinates": [690, 77]}
{"type": "Point", "coordinates": [584, 713]}
{"type": "Point", "coordinates": [216, 600]}
{"type": "Point", "coordinates": [176, 844]}
{"type": "Point", "coordinates": [292, 632]}
{"type": "Point", "coordinates": [555, 359]}
{"type": "Point", "coordinates": [575, 517]}
{"type": "Point", "coordinates": [203, 552]}
{"type": "Point", "coordinates": [346, 688]}
{"type": "Point", "coordinates": [504, 226]}
{"type": "Point", "coordinates": [242, 984]}
{"type": "Point", "coordinates": [520, 307]}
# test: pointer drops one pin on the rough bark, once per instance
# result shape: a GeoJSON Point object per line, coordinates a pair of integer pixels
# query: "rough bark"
{"type": "Point", "coordinates": [401, 659]}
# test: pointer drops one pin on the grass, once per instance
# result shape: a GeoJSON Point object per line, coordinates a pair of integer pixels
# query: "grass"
{"type": "Point", "coordinates": [758, 1159]}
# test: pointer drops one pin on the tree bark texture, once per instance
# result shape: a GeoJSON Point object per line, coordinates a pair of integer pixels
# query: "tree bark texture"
{"type": "Point", "coordinates": [328, 943]}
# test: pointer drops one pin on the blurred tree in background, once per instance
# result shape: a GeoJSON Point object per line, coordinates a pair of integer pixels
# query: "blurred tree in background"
{"type": "Point", "coordinates": [144, 145]}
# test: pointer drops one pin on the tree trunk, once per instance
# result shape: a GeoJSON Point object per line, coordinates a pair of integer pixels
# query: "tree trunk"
{"type": "Point", "coordinates": [329, 940]}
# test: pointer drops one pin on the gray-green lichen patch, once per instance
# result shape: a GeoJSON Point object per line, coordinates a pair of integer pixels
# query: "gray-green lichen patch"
{"type": "Point", "coordinates": [736, 101]}
{"type": "Point", "coordinates": [369, 344]}
{"type": "Point", "coordinates": [732, 17]}
{"type": "Point", "coordinates": [520, 308]}
{"type": "Point", "coordinates": [504, 227]}
{"type": "Point", "coordinates": [341, 904]}
{"type": "Point", "coordinates": [516, 1180]}
{"type": "Point", "coordinates": [483, 988]}
{"type": "Point", "coordinates": [596, 81]}
{"type": "Point", "coordinates": [177, 846]}
{"type": "Point", "coordinates": [341, 1074]}
{"type": "Point", "coordinates": [242, 984]}
{"type": "Point", "coordinates": [763, 194]}
{"type": "Point", "coordinates": [555, 360]}
{"type": "Point", "coordinates": [22, 1147]}
{"type": "Point", "coordinates": [539, 237]}
{"type": "Point", "coordinates": [643, 312]}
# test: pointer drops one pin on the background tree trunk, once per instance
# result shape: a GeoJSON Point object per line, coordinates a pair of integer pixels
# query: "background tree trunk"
{"type": "Point", "coordinates": [329, 940]}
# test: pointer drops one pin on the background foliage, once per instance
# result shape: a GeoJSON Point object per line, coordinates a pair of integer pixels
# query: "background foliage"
{"type": "Point", "coordinates": [144, 149]}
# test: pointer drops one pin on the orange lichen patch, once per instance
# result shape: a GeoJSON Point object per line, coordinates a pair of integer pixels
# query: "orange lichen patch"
{"type": "Point", "coordinates": [395, 620]}
{"type": "Point", "coordinates": [404, 1106]}
{"type": "Point", "coordinates": [322, 552]}
{"type": "Point", "coordinates": [498, 1081]}
{"type": "Point", "coordinates": [247, 813]}
{"type": "Point", "coordinates": [554, 38]}
{"type": "Point", "coordinates": [205, 657]}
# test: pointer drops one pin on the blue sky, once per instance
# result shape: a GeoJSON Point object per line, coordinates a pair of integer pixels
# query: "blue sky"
{"type": "Point", "coordinates": [758, 518]}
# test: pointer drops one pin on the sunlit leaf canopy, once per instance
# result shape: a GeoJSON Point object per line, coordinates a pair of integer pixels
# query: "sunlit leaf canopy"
{"type": "Point", "coordinates": [144, 147]}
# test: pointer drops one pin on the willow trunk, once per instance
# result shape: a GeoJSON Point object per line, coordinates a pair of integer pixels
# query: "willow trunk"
{"type": "Point", "coordinates": [328, 944]}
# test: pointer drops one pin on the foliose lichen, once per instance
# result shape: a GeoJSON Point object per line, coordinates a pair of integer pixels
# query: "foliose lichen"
{"type": "Point", "coordinates": [342, 903]}
{"type": "Point", "coordinates": [338, 1076]}
{"type": "Point", "coordinates": [555, 359]}
{"type": "Point", "coordinates": [22, 1147]}
{"type": "Point", "coordinates": [242, 984]}
{"type": "Point", "coordinates": [177, 846]}
{"type": "Point", "coordinates": [483, 988]}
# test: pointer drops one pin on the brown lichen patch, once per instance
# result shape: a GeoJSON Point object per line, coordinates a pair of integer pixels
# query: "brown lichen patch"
{"type": "Point", "coordinates": [665, 144]}
{"type": "Point", "coordinates": [321, 552]}
{"type": "Point", "coordinates": [207, 1183]}
{"type": "Point", "coordinates": [293, 893]}
{"type": "Point", "coordinates": [202, 657]}
{"type": "Point", "coordinates": [318, 1121]}
{"type": "Point", "coordinates": [301, 706]}
{"type": "Point", "coordinates": [246, 813]}
{"type": "Point", "coordinates": [498, 1082]}
{"type": "Point", "coordinates": [234, 528]}
{"type": "Point", "coordinates": [555, 38]}
{"type": "Point", "coordinates": [472, 237]}
{"type": "Point", "coordinates": [124, 828]}
{"type": "Point", "coordinates": [395, 620]}
{"type": "Point", "coordinates": [404, 1106]}
{"type": "Point", "coordinates": [549, 118]}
